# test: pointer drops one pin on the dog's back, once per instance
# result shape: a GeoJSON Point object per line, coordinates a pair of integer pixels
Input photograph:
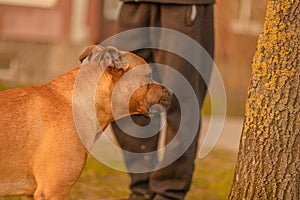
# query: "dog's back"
{"type": "Point", "coordinates": [15, 149]}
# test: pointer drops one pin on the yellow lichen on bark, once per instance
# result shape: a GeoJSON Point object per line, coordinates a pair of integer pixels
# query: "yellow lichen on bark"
{"type": "Point", "coordinates": [275, 31]}
{"type": "Point", "coordinates": [269, 54]}
{"type": "Point", "coordinates": [268, 161]}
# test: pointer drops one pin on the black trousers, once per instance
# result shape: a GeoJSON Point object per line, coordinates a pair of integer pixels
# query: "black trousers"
{"type": "Point", "coordinates": [172, 181]}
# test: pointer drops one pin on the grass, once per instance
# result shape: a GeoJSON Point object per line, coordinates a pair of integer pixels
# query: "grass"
{"type": "Point", "coordinates": [2, 86]}
{"type": "Point", "coordinates": [6, 86]}
{"type": "Point", "coordinates": [213, 176]}
{"type": "Point", "coordinates": [212, 179]}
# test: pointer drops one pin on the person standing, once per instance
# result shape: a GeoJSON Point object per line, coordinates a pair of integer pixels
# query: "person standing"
{"type": "Point", "coordinates": [193, 18]}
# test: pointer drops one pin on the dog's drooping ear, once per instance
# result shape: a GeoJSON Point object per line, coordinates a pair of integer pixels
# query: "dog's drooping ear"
{"type": "Point", "coordinates": [87, 53]}
{"type": "Point", "coordinates": [90, 52]}
{"type": "Point", "coordinates": [108, 56]}
{"type": "Point", "coordinates": [111, 57]}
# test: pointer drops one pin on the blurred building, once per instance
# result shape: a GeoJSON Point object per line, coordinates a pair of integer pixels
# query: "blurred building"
{"type": "Point", "coordinates": [238, 24]}
{"type": "Point", "coordinates": [40, 39]}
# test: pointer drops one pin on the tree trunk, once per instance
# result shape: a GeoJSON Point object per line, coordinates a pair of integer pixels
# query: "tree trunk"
{"type": "Point", "coordinates": [268, 164]}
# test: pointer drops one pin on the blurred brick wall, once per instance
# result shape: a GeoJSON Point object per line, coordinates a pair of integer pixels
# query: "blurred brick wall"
{"type": "Point", "coordinates": [39, 62]}
{"type": "Point", "coordinates": [235, 49]}
{"type": "Point", "coordinates": [35, 23]}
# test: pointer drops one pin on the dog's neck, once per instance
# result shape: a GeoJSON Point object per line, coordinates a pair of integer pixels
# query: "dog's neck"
{"type": "Point", "coordinates": [63, 84]}
{"type": "Point", "coordinates": [78, 89]}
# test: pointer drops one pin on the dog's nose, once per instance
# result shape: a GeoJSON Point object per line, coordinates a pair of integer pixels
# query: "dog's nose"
{"type": "Point", "coordinates": [166, 99]}
{"type": "Point", "coordinates": [163, 104]}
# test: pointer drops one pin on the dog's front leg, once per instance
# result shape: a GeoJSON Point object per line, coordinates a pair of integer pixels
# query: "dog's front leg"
{"type": "Point", "coordinates": [58, 164]}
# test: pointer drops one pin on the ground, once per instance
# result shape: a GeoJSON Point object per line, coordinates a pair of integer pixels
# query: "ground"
{"type": "Point", "coordinates": [212, 180]}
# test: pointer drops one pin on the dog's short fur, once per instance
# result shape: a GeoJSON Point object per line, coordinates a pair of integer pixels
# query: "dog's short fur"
{"type": "Point", "coordinates": [41, 154]}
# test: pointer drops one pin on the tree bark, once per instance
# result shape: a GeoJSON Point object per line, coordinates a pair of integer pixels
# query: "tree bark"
{"type": "Point", "coordinates": [268, 161]}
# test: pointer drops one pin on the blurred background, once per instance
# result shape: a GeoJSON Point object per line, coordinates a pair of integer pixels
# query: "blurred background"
{"type": "Point", "coordinates": [41, 39]}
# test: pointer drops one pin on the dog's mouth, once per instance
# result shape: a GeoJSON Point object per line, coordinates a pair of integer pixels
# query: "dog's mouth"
{"type": "Point", "coordinates": [155, 110]}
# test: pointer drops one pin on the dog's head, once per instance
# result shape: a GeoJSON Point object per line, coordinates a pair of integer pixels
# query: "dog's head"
{"type": "Point", "coordinates": [126, 86]}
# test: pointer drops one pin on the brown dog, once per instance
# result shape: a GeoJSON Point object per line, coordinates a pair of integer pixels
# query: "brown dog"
{"type": "Point", "coordinates": [41, 153]}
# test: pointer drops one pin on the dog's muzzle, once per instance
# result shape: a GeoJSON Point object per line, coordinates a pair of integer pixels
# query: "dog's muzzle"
{"type": "Point", "coordinates": [163, 104]}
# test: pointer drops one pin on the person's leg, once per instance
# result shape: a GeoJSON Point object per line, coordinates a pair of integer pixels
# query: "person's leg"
{"type": "Point", "coordinates": [137, 162]}
{"type": "Point", "coordinates": [174, 180]}
{"type": "Point", "coordinates": [135, 15]}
